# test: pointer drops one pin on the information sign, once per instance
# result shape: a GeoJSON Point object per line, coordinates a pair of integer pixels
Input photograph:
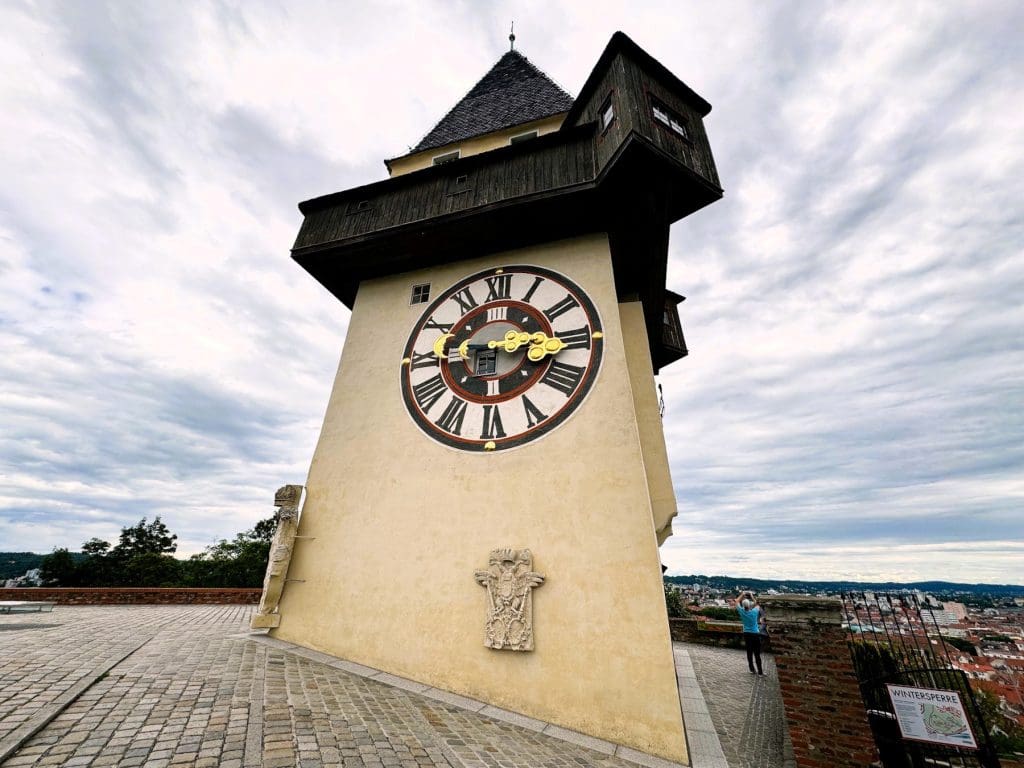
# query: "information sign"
{"type": "Point", "coordinates": [928, 714]}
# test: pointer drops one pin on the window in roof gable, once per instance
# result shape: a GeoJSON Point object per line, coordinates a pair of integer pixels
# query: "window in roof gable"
{"type": "Point", "coordinates": [447, 157]}
{"type": "Point", "coordinates": [522, 137]}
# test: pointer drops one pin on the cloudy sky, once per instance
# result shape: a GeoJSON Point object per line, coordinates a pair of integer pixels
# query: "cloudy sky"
{"type": "Point", "coordinates": [853, 403]}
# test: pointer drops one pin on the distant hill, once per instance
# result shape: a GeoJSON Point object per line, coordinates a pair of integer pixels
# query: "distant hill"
{"type": "Point", "coordinates": [797, 585]}
{"type": "Point", "coordinates": [14, 564]}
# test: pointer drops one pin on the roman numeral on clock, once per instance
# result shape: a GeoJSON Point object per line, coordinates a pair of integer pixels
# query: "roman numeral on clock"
{"type": "Point", "coordinates": [492, 423]}
{"type": "Point", "coordinates": [465, 300]}
{"type": "Point", "coordinates": [576, 339]}
{"type": "Point", "coordinates": [499, 287]}
{"type": "Point", "coordinates": [536, 284]}
{"type": "Point", "coordinates": [423, 361]}
{"type": "Point", "coordinates": [433, 325]}
{"type": "Point", "coordinates": [563, 377]}
{"type": "Point", "coordinates": [561, 307]}
{"type": "Point", "coordinates": [534, 416]}
{"type": "Point", "coordinates": [429, 392]}
{"type": "Point", "coordinates": [497, 313]}
{"type": "Point", "coordinates": [451, 419]}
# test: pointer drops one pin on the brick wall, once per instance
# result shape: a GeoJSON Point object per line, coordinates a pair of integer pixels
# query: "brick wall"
{"type": "Point", "coordinates": [133, 595]}
{"type": "Point", "coordinates": [827, 721]}
{"type": "Point", "coordinates": [716, 633]}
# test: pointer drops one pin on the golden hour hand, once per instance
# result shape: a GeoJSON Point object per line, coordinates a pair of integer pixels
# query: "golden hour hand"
{"type": "Point", "coordinates": [439, 345]}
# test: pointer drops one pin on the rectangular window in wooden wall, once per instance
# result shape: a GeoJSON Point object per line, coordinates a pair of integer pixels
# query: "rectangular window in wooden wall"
{"type": "Point", "coordinates": [607, 113]}
{"type": "Point", "coordinates": [671, 330]}
{"type": "Point", "coordinates": [669, 119]}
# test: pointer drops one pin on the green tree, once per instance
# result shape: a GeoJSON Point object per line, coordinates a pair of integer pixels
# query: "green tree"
{"type": "Point", "coordinates": [145, 538]}
{"type": "Point", "coordinates": [673, 603]}
{"type": "Point", "coordinates": [264, 530]}
{"type": "Point", "coordinates": [58, 569]}
{"type": "Point", "coordinates": [1007, 736]}
{"type": "Point", "coordinates": [150, 569]}
{"type": "Point", "coordinates": [960, 644]}
{"type": "Point", "coordinates": [241, 562]}
{"type": "Point", "coordinates": [718, 613]}
{"type": "Point", "coordinates": [95, 546]}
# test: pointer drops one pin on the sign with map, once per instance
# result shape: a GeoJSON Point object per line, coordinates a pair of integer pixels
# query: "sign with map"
{"type": "Point", "coordinates": [928, 714]}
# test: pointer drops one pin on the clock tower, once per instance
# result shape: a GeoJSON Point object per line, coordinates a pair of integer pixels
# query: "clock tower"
{"type": "Point", "coordinates": [494, 421]}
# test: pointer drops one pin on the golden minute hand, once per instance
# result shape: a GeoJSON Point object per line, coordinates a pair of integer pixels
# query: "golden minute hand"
{"type": "Point", "coordinates": [540, 344]}
{"type": "Point", "coordinates": [550, 345]}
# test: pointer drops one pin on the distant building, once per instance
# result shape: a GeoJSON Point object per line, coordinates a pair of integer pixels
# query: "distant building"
{"type": "Point", "coordinates": [31, 578]}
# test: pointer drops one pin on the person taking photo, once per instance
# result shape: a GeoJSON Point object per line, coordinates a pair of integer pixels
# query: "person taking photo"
{"type": "Point", "coordinates": [750, 614]}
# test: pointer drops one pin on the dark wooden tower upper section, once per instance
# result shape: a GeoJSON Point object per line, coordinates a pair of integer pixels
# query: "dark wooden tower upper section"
{"type": "Point", "coordinates": [630, 158]}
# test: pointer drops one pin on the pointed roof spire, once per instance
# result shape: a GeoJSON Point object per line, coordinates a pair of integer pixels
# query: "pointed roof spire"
{"type": "Point", "coordinates": [512, 37]}
{"type": "Point", "coordinates": [513, 92]}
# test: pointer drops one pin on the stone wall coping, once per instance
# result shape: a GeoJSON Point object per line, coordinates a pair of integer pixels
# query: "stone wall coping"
{"type": "Point", "coordinates": [133, 595]}
{"type": "Point", "coordinates": [802, 609]}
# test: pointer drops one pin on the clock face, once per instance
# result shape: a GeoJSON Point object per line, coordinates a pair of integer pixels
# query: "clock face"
{"type": "Point", "coordinates": [501, 358]}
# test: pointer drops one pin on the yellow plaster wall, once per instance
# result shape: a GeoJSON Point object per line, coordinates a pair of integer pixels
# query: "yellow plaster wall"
{"type": "Point", "coordinates": [399, 524]}
{"type": "Point", "coordinates": [645, 403]}
{"type": "Point", "coordinates": [474, 146]}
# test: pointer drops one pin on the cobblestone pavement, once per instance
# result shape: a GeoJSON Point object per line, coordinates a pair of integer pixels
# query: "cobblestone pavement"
{"type": "Point", "coordinates": [746, 709]}
{"type": "Point", "coordinates": [184, 686]}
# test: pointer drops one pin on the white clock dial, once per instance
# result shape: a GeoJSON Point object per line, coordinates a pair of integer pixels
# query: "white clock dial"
{"type": "Point", "coordinates": [501, 358]}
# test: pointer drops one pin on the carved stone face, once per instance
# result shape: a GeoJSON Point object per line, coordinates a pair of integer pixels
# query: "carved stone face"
{"type": "Point", "coordinates": [288, 496]}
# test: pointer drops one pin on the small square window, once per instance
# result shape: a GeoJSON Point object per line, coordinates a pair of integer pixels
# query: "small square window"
{"type": "Point", "coordinates": [420, 294]}
{"type": "Point", "coordinates": [447, 157]}
{"type": "Point", "coordinates": [607, 113]}
{"type": "Point", "coordinates": [486, 362]}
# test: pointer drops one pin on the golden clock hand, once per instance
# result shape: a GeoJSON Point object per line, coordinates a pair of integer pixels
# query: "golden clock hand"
{"type": "Point", "coordinates": [549, 346]}
{"type": "Point", "coordinates": [540, 343]}
{"type": "Point", "coordinates": [513, 340]}
{"type": "Point", "coordinates": [439, 344]}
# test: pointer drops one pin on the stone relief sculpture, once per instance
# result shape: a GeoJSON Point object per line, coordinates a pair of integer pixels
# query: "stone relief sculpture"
{"type": "Point", "coordinates": [287, 501]}
{"type": "Point", "coordinates": [510, 581]}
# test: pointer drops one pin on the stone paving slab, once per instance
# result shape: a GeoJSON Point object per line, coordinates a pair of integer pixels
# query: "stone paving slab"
{"type": "Point", "coordinates": [189, 686]}
{"type": "Point", "coordinates": [742, 710]}
{"type": "Point", "coordinates": [702, 739]}
{"type": "Point", "coordinates": [200, 693]}
{"type": "Point", "coordinates": [42, 657]}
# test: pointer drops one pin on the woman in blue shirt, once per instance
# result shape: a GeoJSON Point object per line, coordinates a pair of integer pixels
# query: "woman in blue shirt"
{"type": "Point", "coordinates": [750, 613]}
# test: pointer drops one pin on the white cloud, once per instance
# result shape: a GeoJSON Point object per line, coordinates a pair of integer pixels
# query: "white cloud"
{"type": "Point", "coordinates": [851, 404]}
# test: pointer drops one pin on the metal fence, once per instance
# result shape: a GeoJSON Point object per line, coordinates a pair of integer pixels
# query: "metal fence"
{"type": "Point", "coordinates": [895, 641]}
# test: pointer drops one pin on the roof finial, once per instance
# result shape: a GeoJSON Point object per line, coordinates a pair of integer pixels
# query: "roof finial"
{"type": "Point", "coordinates": [512, 37]}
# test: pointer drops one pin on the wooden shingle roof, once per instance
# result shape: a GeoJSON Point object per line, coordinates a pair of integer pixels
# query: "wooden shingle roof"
{"type": "Point", "coordinates": [512, 93]}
